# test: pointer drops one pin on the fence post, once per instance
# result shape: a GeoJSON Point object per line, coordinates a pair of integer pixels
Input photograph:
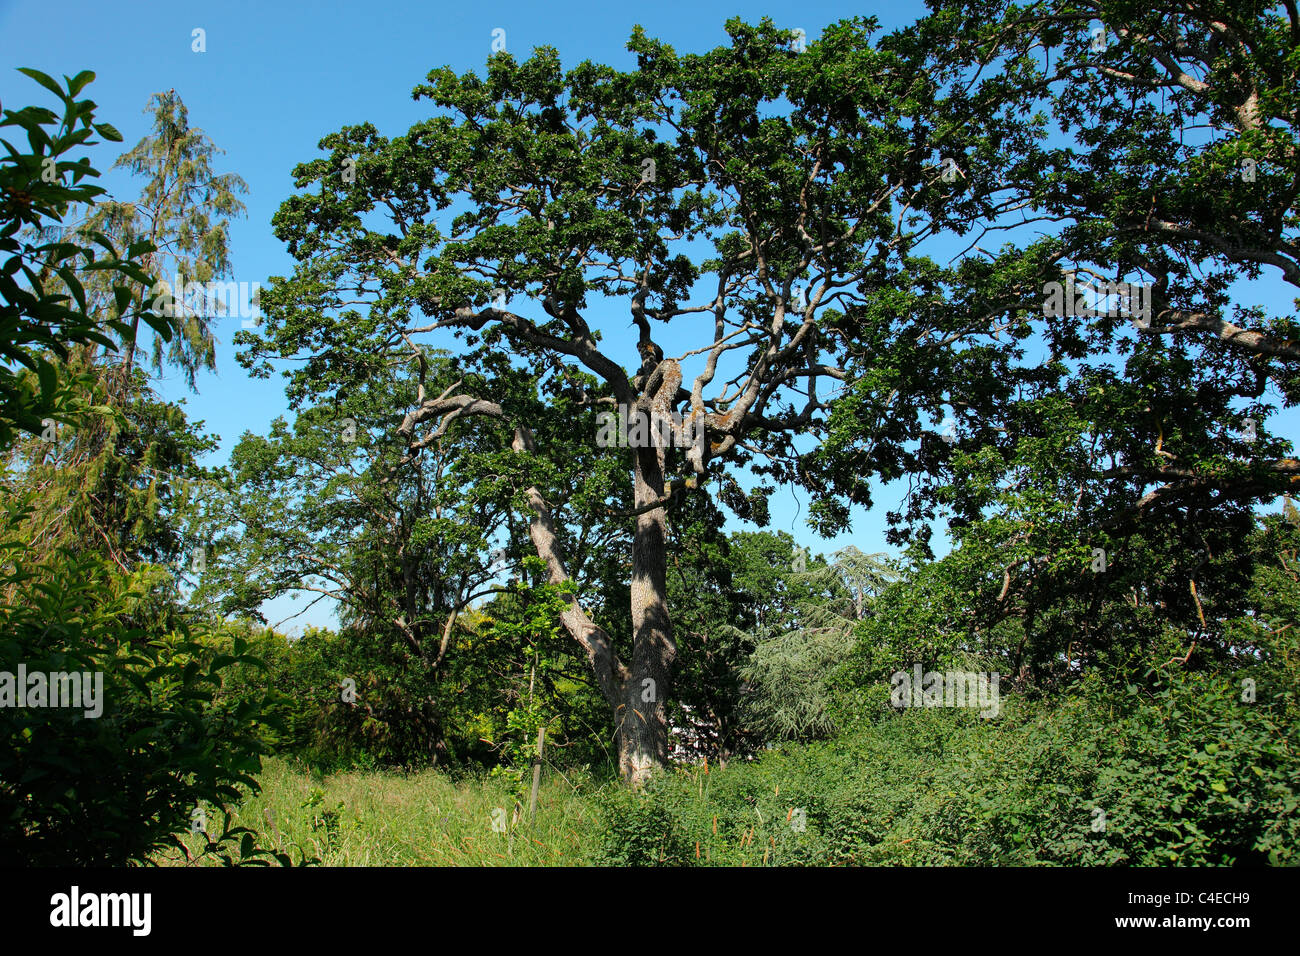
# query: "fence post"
{"type": "Point", "coordinates": [537, 774]}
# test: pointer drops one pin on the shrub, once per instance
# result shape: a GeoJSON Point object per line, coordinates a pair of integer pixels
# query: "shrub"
{"type": "Point", "coordinates": [639, 828]}
{"type": "Point", "coordinates": [111, 789]}
{"type": "Point", "coordinates": [1168, 770]}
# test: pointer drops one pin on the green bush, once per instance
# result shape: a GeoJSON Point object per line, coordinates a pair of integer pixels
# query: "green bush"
{"type": "Point", "coordinates": [114, 788]}
{"type": "Point", "coordinates": [640, 829]}
{"type": "Point", "coordinates": [1178, 770]}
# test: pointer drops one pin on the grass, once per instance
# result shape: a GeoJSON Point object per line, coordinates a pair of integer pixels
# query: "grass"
{"type": "Point", "coordinates": [381, 818]}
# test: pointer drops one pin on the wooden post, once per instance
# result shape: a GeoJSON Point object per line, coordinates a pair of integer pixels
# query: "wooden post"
{"type": "Point", "coordinates": [537, 774]}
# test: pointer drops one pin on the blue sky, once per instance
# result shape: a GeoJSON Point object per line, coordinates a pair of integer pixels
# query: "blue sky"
{"type": "Point", "coordinates": [276, 77]}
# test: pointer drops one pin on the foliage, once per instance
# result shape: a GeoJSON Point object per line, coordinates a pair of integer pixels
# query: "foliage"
{"type": "Point", "coordinates": [530, 200]}
{"type": "Point", "coordinates": [335, 505]}
{"type": "Point", "coordinates": [510, 675]}
{"type": "Point", "coordinates": [183, 213]}
{"type": "Point", "coordinates": [112, 788]}
{"type": "Point", "coordinates": [533, 681]}
{"type": "Point", "coordinates": [715, 609]}
{"type": "Point", "coordinates": [1186, 774]}
{"type": "Point", "coordinates": [423, 818]}
{"type": "Point", "coordinates": [1099, 469]}
{"type": "Point", "coordinates": [797, 655]}
{"type": "Point", "coordinates": [87, 518]}
{"type": "Point", "coordinates": [638, 829]}
{"type": "Point", "coordinates": [120, 479]}
{"type": "Point", "coordinates": [43, 303]}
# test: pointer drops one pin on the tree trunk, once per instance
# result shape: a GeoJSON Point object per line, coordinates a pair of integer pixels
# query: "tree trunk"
{"type": "Point", "coordinates": [642, 719]}
{"type": "Point", "coordinates": [635, 694]}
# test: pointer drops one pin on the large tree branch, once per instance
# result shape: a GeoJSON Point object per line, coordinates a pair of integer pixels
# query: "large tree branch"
{"type": "Point", "coordinates": [1176, 320]}
{"type": "Point", "coordinates": [609, 670]}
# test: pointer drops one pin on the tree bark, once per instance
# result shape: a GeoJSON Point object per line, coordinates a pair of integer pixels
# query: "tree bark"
{"type": "Point", "coordinates": [636, 694]}
{"type": "Point", "coordinates": [642, 719]}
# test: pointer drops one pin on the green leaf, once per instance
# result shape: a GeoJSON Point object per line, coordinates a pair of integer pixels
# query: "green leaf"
{"type": "Point", "coordinates": [80, 81]}
{"type": "Point", "coordinates": [49, 377]}
{"type": "Point", "coordinates": [44, 79]}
